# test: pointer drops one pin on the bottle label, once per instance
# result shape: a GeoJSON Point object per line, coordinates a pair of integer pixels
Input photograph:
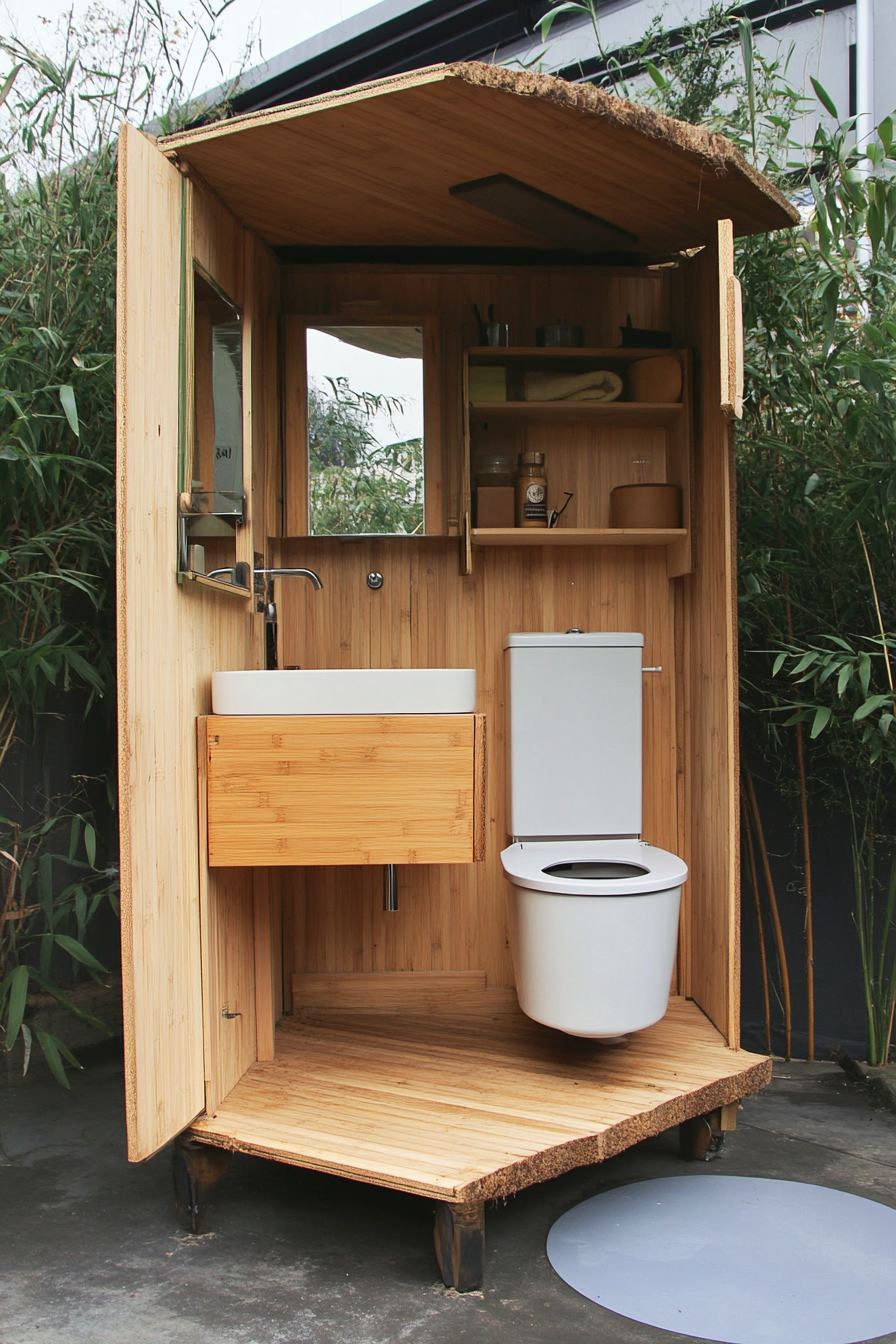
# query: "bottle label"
{"type": "Point", "coordinates": [535, 502]}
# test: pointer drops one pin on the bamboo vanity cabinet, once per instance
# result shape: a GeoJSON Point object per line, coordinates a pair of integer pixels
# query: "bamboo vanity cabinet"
{"type": "Point", "coordinates": [275, 1007]}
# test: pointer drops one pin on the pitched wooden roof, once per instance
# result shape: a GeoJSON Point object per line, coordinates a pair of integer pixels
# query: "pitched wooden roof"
{"type": "Point", "coordinates": [373, 165]}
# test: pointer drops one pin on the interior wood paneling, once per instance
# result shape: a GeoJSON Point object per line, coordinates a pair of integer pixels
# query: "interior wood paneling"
{"type": "Point", "coordinates": [426, 614]}
{"type": "Point", "coordinates": [171, 638]}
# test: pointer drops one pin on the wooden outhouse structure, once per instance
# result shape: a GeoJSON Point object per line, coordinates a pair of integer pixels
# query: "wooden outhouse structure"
{"type": "Point", "coordinates": [272, 1006]}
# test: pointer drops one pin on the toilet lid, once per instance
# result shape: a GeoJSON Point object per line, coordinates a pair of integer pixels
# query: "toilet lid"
{"type": "Point", "coordinates": [593, 867]}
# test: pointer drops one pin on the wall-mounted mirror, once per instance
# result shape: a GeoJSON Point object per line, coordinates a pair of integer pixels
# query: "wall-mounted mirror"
{"type": "Point", "coordinates": [365, 430]}
{"type": "Point", "coordinates": [216, 482]}
{"type": "Point", "coordinates": [212, 495]}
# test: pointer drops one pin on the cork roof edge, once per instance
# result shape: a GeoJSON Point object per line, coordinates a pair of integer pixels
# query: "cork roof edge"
{"type": "Point", "coordinates": [716, 151]}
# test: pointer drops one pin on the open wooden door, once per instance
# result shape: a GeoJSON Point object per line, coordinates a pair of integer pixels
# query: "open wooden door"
{"type": "Point", "coordinates": [707, 314]}
{"type": "Point", "coordinates": [171, 638]}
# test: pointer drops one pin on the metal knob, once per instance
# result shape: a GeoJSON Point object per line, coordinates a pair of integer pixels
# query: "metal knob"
{"type": "Point", "coordinates": [374, 579]}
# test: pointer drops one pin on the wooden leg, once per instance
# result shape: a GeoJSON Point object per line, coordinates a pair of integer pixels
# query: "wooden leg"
{"type": "Point", "coordinates": [196, 1168]}
{"type": "Point", "coordinates": [460, 1245]}
{"type": "Point", "coordinates": [702, 1137]}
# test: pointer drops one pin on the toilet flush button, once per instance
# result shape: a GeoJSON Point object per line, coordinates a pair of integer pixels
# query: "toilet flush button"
{"type": "Point", "coordinates": [575, 631]}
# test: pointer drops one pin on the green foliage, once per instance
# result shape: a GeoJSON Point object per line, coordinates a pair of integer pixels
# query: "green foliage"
{"type": "Point", "coordinates": [52, 890]}
{"type": "Point", "coordinates": [59, 118]}
{"type": "Point", "coordinates": [357, 484]}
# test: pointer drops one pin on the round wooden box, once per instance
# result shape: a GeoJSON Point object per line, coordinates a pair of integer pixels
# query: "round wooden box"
{"type": "Point", "coordinates": [653, 505]}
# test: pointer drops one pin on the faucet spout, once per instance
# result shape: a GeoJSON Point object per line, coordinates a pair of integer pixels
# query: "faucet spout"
{"type": "Point", "coordinates": [309, 574]}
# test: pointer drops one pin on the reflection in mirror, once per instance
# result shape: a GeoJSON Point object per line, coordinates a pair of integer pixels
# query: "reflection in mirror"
{"type": "Point", "coordinates": [365, 430]}
{"type": "Point", "coordinates": [216, 484]}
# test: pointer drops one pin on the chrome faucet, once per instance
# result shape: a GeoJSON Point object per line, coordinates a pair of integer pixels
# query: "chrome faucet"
{"type": "Point", "coordinates": [264, 591]}
{"type": "Point", "coordinates": [268, 574]}
{"type": "Point", "coordinates": [239, 575]}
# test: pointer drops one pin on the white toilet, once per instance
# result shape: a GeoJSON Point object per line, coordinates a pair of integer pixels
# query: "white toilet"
{"type": "Point", "coordinates": [596, 923]}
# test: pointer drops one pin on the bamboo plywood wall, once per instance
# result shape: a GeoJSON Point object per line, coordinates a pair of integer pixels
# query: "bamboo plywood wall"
{"type": "Point", "coordinates": [171, 639]}
{"type": "Point", "coordinates": [454, 918]}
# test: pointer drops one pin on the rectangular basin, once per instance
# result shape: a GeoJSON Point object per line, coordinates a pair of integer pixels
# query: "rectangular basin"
{"type": "Point", "coordinates": [425, 690]}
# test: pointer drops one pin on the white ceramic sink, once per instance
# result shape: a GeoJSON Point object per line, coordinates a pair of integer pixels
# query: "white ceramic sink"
{"type": "Point", "coordinates": [429, 690]}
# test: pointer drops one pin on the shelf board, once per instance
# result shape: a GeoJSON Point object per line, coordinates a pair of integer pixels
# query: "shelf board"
{"type": "Point", "coordinates": [641, 413]}
{"type": "Point", "coordinates": [577, 536]}
{"type": "Point", "coordinates": [497, 353]}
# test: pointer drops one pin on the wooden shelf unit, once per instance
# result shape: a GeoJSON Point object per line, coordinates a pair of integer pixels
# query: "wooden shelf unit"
{"type": "Point", "coordinates": [590, 447]}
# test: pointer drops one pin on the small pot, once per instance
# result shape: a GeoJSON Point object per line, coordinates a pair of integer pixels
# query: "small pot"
{"type": "Point", "coordinates": [649, 505]}
{"type": "Point", "coordinates": [496, 333]}
{"type": "Point", "coordinates": [560, 333]}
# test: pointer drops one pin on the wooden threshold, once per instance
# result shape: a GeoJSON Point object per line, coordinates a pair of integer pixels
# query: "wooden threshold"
{"type": "Point", "coordinates": [471, 1106]}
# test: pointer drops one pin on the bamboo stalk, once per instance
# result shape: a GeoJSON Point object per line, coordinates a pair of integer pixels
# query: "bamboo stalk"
{"type": "Point", "coordinates": [808, 929]}
{"type": "Point", "coordinates": [776, 918]}
{"type": "Point", "coordinates": [754, 879]}
{"type": "Point", "coordinates": [807, 925]}
{"type": "Point", "coordinates": [880, 620]}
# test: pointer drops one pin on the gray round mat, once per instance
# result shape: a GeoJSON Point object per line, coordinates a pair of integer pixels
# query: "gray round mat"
{"type": "Point", "coordinates": [735, 1258]}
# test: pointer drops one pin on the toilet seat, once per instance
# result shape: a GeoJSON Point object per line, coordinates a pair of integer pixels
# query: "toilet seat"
{"type": "Point", "coordinates": [653, 869]}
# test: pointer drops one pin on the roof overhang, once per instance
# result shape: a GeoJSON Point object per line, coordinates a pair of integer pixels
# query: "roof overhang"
{"type": "Point", "coordinates": [374, 166]}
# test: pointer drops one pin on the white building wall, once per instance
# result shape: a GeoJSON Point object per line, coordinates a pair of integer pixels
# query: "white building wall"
{"type": "Point", "coordinates": [818, 46]}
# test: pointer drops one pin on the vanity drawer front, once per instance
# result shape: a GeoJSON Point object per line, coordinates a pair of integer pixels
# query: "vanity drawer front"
{"type": "Point", "coordinates": [343, 789]}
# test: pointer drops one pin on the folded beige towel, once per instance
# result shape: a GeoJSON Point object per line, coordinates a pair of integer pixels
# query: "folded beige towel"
{"type": "Point", "coordinates": [599, 385]}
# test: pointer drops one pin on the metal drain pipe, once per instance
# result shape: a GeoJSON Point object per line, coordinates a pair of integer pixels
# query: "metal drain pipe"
{"type": "Point", "coordinates": [390, 888]}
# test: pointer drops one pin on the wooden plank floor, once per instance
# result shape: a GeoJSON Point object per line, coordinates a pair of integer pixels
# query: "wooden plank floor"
{"type": "Point", "coordinates": [472, 1106]}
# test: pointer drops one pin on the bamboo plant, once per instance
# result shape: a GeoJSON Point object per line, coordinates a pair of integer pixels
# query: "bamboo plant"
{"type": "Point", "coordinates": [59, 119]}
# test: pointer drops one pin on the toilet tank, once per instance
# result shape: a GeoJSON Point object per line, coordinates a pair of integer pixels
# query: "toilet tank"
{"type": "Point", "coordinates": [573, 734]}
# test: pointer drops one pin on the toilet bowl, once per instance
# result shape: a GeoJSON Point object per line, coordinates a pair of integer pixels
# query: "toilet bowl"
{"type": "Point", "coordinates": [594, 926]}
{"type": "Point", "coordinates": [595, 933]}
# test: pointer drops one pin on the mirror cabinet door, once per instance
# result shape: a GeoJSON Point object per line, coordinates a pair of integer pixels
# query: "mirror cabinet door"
{"type": "Point", "coordinates": [212, 491]}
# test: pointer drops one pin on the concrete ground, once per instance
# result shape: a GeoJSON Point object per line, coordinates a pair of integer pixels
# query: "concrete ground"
{"type": "Point", "coordinates": [91, 1252]}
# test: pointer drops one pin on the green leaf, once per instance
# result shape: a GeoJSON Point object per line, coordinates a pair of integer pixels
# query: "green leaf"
{"type": "Point", "coordinates": [824, 98]}
{"type": "Point", "coordinates": [74, 837]}
{"type": "Point", "coordinates": [8, 83]}
{"type": "Point", "coordinates": [45, 884]}
{"type": "Point", "coordinates": [779, 663]}
{"type": "Point", "coordinates": [53, 1050]}
{"type": "Point", "coordinates": [812, 485]}
{"type": "Point", "coordinates": [821, 720]}
{"type": "Point", "coordinates": [18, 994]}
{"type": "Point", "coordinates": [78, 951]}
{"type": "Point", "coordinates": [871, 704]}
{"type": "Point", "coordinates": [50, 987]}
{"type": "Point", "coordinates": [656, 75]}
{"type": "Point", "coordinates": [546, 22]}
{"type": "Point", "coordinates": [90, 844]}
{"type": "Point", "coordinates": [69, 405]}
